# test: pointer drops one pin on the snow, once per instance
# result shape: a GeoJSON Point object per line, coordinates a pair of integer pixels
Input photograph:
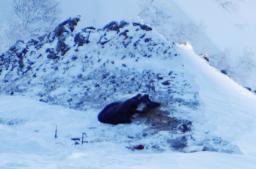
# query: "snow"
{"type": "Point", "coordinates": [27, 130]}
{"type": "Point", "coordinates": [228, 107]}
{"type": "Point", "coordinates": [225, 109]}
{"type": "Point", "coordinates": [225, 34]}
{"type": "Point", "coordinates": [31, 144]}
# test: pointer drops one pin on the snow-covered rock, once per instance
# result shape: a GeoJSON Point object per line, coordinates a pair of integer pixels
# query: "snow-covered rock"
{"type": "Point", "coordinates": [88, 68]}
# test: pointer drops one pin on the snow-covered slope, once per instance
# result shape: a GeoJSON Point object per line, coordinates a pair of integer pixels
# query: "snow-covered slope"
{"type": "Point", "coordinates": [88, 68]}
{"type": "Point", "coordinates": [92, 67]}
{"type": "Point", "coordinates": [227, 107]}
{"type": "Point", "coordinates": [222, 29]}
{"type": "Point", "coordinates": [75, 71]}
{"type": "Point", "coordinates": [27, 142]}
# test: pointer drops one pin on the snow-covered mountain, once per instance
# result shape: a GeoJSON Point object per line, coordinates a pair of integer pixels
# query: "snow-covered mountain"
{"type": "Point", "coordinates": [88, 68]}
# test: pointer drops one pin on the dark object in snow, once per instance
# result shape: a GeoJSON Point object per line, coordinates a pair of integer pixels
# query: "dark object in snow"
{"type": "Point", "coordinates": [66, 26]}
{"type": "Point", "coordinates": [56, 132]}
{"type": "Point", "coordinates": [84, 136]}
{"type": "Point", "coordinates": [248, 88]}
{"type": "Point", "coordinates": [76, 140]}
{"type": "Point", "coordinates": [224, 72]}
{"type": "Point", "coordinates": [184, 126]}
{"type": "Point", "coordinates": [206, 58]}
{"type": "Point", "coordinates": [80, 140]}
{"type": "Point", "coordinates": [80, 39]}
{"type": "Point", "coordinates": [62, 47]}
{"type": "Point", "coordinates": [166, 83]}
{"type": "Point", "coordinates": [143, 27]}
{"type": "Point", "coordinates": [51, 53]}
{"type": "Point", "coordinates": [122, 112]}
{"type": "Point", "coordinates": [115, 26]}
{"type": "Point", "coordinates": [138, 147]}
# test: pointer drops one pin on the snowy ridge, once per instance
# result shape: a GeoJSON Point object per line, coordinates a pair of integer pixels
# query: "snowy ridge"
{"type": "Point", "coordinates": [229, 108]}
{"type": "Point", "coordinates": [220, 29]}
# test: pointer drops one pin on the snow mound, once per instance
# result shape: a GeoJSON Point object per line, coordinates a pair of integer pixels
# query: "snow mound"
{"type": "Point", "coordinates": [86, 69]}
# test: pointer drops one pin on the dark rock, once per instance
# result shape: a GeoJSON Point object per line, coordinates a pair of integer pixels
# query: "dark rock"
{"type": "Point", "coordinates": [139, 147]}
{"type": "Point", "coordinates": [80, 39]}
{"type": "Point", "coordinates": [147, 40]}
{"type": "Point", "coordinates": [206, 58]}
{"type": "Point", "coordinates": [51, 53]}
{"type": "Point", "coordinates": [184, 126]}
{"type": "Point", "coordinates": [62, 47]}
{"type": "Point", "coordinates": [66, 26]}
{"type": "Point", "coordinates": [88, 28]}
{"type": "Point", "coordinates": [115, 26]}
{"type": "Point", "coordinates": [74, 58]}
{"type": "Point", "coordinates": [248, 88]}
{"type": "Point", "coordinates": [142, 26]}
{"type": "Point", "coordinates": [224, 72]}
{"type": "Point", "coordinates": [33, 42]}
{"type": "Point", "coordinates": [166, 83]}
{"type": "Point", "coordinates": [19, 50]}
{"type": "Point", "coordinates": [124, 33]}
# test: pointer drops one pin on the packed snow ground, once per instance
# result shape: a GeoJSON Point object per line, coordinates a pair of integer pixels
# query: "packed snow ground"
{"type": "Point", "coordinates": [30, 144]}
